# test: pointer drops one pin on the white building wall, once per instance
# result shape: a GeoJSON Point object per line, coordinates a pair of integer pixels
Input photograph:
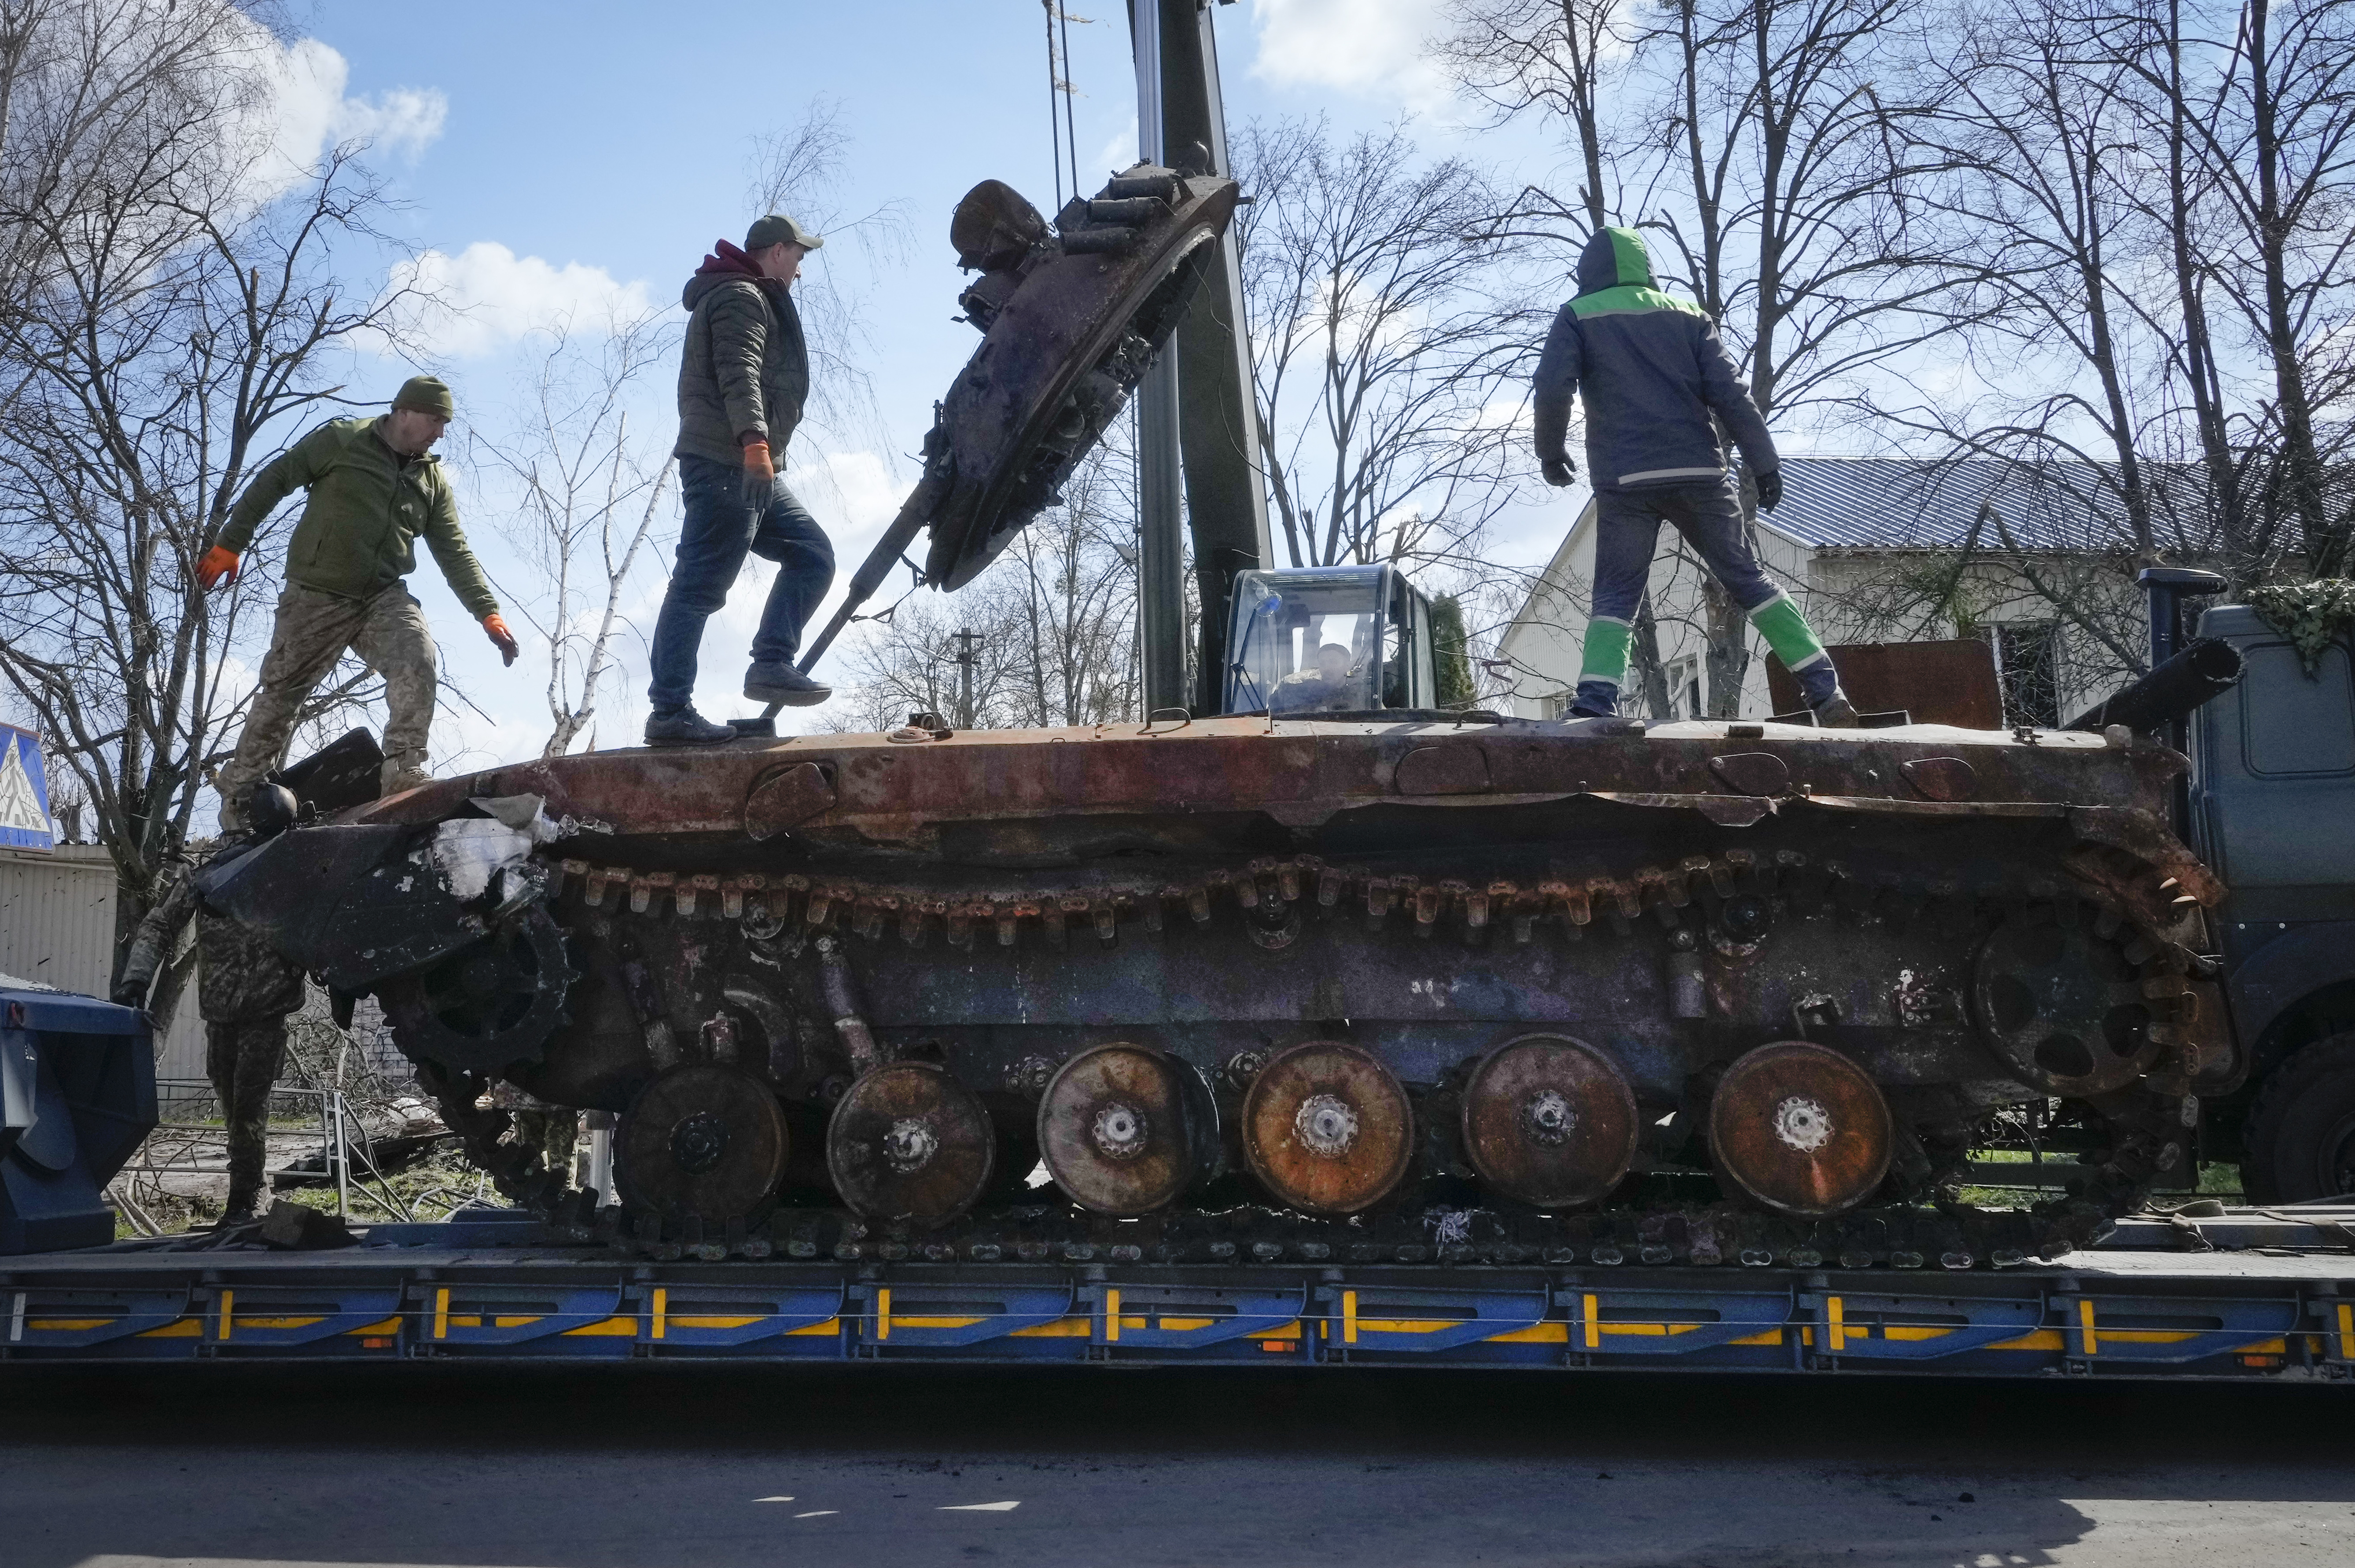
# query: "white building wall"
{"type": "Point", "coordinates": [57, 928]}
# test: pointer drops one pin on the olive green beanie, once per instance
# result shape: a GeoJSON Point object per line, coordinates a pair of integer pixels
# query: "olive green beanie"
{"type": "Point", "coordinates": [427, 395]}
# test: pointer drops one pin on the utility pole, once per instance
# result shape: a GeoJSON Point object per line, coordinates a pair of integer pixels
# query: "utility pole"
{"type": "Point", "coordinates": [1197, 416]}
{"type": "Point", "coordinates": [1160, 591]}
{"type": "Point", "coordinates": [967, 655]}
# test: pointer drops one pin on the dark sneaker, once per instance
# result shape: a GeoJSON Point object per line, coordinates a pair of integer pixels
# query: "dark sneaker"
{"type": "Point", "coordinates": [685, 726]}
{"type": "Point", "coordinates": [1836, 712]}
{"type": "Point", "coordinates": [784, 683]}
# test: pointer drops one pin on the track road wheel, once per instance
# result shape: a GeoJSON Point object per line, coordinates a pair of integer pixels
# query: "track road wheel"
{"type": "Point", "coordinates": [1327, 1127]}
{"type": "Point", "coordinates": [702, 1143]}
{"type": "Point", "coordinates": [909, 1142]}
{"type": "Point", "coordinates": [1550, 1121]}
{"type": "Point", "coordinates": [2301, 1128]}
{"type": "Point", "coordinates": [1119, 1129]}
{"type": "Point", "coordinates": [1800, 1130]}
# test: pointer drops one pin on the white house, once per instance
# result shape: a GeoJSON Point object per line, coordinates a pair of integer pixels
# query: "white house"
{"type": "Point", "coordinates": [1883, 550]}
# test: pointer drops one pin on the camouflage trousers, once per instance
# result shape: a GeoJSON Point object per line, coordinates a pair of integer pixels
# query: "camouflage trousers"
{"type": "Point", "coordinates": [554, 1133]}
{"type": "Point", "coordinates": [243, 1060]}
{"type": "Point", "coordinates": [312, 631]}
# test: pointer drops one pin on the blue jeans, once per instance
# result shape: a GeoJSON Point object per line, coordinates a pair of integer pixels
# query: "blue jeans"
{"type": "Point", "coordinates": [719, 529]}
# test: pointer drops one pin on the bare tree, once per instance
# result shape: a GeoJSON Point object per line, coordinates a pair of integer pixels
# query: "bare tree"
{"type": "Point", "coordinates": [170, 311]}
{"type": "Point", "coordinates": [1055, 617]}
{"type": "Point", "coordinates": [591, 495]}
{"type": "Point", "coordinates": [1074, 597]}
{"type": "Point", "coordinates": [2283, 155]}
{"type": "Point", "coordinates": [801, 170]}
{"type": "Point", "coordinates": [1559, 58]}
{"type": "Point", "coordinates": [2152, 310]}
{"type": "Point", "coordinates": [2039, 133]}
{"type": "Point", "coordinates": [1389, 344]}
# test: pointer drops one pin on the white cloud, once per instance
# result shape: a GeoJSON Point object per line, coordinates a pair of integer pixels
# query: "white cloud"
{"type": "Point", "coordinates": [864, 493]}
{"type": "Point", "coordinates": [486, 296]}
{"type": "Point", "coordinates": [307, 80]}
{"type": "Point", "coordinates": [1370, 47]}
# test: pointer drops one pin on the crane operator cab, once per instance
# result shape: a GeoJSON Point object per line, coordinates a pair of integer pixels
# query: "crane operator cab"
{"type": "Point", "coordinates": [1329, 639]}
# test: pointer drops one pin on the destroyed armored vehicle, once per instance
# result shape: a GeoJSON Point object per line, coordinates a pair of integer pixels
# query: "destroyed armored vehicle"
{"type": "Point", "coordinates": [1330, 975]}
{"type": "Point", "coordinates": [1413, 984]}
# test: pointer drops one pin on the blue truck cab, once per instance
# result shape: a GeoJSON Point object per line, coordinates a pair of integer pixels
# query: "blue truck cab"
{"type": "Point", "coordinates": [2271, 807]}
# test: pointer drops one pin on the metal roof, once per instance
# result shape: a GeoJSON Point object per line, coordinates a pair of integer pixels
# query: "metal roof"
{"type": "Point", "coordinates": [1906, 504]}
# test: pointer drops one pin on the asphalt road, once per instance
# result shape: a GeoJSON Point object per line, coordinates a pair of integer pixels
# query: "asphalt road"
{"type": "Point", "coordinates": [901, 1467]}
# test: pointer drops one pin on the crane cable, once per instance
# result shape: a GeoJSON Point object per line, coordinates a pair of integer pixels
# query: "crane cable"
{"type": "Point", "coordinates": [1062, 140]}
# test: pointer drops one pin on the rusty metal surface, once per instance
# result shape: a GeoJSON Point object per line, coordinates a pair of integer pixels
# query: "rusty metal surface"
{"type": "Point", "coordinates": [2066, 1012]}
{"type": "Point", "coordinates": [909, 1142]}
{"type": "Point", "coordinates": [1952, 682]}
{"type": "Point", "coordinates": [1058, 360]}
{"type": "Point", "coordinates": [1550, 1121]}
{"type": "Point", "coordinates": [1300, 774]}
{"type": "Point", "coordinates": [1949, 779]}
{"type": "Point", "coordinates": [1327, 1127]}
{"type": "Point", "coordinates": [1115, 1129]}
{"type": "Point", "coordinates": [702, 1142]}
{"type": "Point", "coordinates": [1800, 1128]}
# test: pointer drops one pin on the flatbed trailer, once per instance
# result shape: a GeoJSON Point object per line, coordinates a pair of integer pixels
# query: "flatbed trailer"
{"type": "Point", "coordinates": [2248, 1295]}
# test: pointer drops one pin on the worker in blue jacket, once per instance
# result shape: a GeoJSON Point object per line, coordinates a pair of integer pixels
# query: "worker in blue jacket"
{"type": "Point", "coordinates": [1658, 383]}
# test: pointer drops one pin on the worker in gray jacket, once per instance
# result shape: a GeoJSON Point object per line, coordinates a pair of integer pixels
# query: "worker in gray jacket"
{"type": "Point", "coordinates": [1659, 384]}
{"type": "Point", "coordinates": [744, 376]}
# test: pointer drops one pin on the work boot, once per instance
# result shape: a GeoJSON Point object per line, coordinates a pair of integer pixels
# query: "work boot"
{"type": "Point", "coordinates": [1594, 699]}
{"type": "Point", "coordinates": [243, 1206]}
{"type": "Point", "coordinates": [1819, 688]}
{"type": "Point", "coordinates": [402, 771]}
{"type": "Point", "coordinates": [781, 682]}
{"type": "Point", "coordinates": [685, 726]}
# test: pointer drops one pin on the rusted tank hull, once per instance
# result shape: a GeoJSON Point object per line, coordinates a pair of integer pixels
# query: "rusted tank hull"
{"type": "Point", "coordinates": [1368, 975]}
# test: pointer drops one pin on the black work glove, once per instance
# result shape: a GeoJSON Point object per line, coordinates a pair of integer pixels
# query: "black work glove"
{"type": "Point", "coordinates": [1769, 488]}
{"type": "Point", "coordinates": [1559, 472]}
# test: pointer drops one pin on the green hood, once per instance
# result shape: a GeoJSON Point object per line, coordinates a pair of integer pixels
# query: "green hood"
{"type": "Point", "coordinates": [1614, 259]}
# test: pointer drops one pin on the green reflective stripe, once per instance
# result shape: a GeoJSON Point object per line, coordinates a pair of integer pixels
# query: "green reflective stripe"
{"type": "Point", "coordinates": [1606, 651]}
{"type": "Point", "coordinates": [1628, 300]}
{"type": "Point", "coordinates": [1627, 250]}
{"type": "Point", "coordinates": [1787, 632]}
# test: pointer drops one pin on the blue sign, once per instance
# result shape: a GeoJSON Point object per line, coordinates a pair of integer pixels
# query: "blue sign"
{"type": "Point", "coordinates": [24, 791]}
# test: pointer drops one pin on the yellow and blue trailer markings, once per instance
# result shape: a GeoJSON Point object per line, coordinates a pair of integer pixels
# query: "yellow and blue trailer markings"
{"type": "Point", "coordinates": [2034, 1324]}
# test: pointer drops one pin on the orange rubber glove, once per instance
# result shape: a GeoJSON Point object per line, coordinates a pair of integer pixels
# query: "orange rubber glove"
{"type": "Point", "coordinates": [496, 626]}
{"type": "Point", "coordinates": [758, 469]}
{"type": "Point", "coordinates": [219, 567]}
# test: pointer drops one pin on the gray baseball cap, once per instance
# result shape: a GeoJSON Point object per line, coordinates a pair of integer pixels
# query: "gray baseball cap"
{"type": "Point", "coordinates": [776, 228]}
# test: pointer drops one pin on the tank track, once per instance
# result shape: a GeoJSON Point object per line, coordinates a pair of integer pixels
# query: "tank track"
{"type": "Point", "coordinates": [780, 915]}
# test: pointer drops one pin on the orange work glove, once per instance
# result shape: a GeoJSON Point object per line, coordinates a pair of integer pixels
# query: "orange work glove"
{"type": "Point", "coordinates": [498, 627]}
{"type": "Point", "coordinates": [758, 469]}
{"type": "Point", "coordinates": [219, 567]}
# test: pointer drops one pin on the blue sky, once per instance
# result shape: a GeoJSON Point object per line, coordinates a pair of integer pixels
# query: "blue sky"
{"type": "Point", "coordinates": [561, 157]}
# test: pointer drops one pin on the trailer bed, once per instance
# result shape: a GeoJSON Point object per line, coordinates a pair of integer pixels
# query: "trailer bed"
{"type": "Point", "coordinates": [2271, 1298]}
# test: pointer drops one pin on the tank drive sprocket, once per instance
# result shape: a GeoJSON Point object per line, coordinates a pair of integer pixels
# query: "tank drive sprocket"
{"type": "Point", "coordinates": [488, 1007]}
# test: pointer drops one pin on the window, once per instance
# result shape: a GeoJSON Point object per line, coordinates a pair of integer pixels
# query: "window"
{"type": "Point", "coordinates": [2291, 725]}
{"type": "Point", "coordinates": [2028, 656]}
{"type": "Point", "coordinates": [1684, 688]}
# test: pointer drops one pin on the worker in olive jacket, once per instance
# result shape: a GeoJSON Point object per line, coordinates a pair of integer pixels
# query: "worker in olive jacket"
{"type": "Point", "coordinates": [1658, 388]}
{"type": "Point", "coordinates": [374, 489]}
{"type": "Point", "coordinates": [744, 376]}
